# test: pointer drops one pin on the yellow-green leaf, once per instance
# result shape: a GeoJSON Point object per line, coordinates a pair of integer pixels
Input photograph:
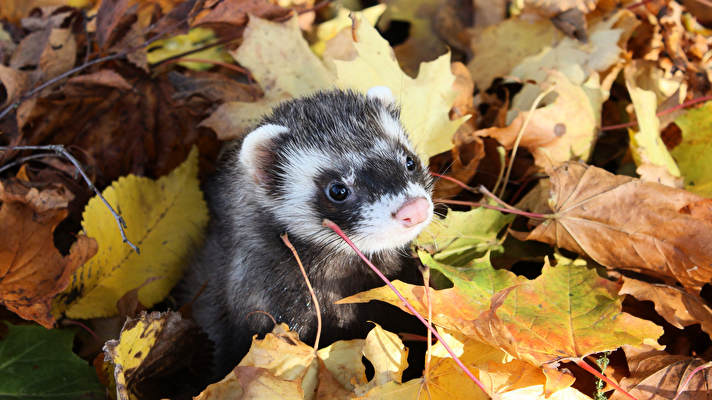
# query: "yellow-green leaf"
{"type": "Point", "coordinates": [179, 44]}
{"type": "Point", "coordinates": [692, 154]}
{"type": "Point", "coordinates": [165, 218]}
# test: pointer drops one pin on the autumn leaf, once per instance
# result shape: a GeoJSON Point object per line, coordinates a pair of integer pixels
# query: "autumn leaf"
{"type": "Point", "coordinates": [425, 101]}
{"type": "Point", "coordinates": [646, 145]}
{"type": "Point", "coordinates": [280, 60]}
{"type": "Point", "coordinates": [154, 348]}
{"type": "Point", "coordinates": [656, 375]}
{"type": "Point", "coordinates": [463, 235]}
{"type": "Point", "coordinates": [696, 129]}
{"type": "Point", "coordinates": [328, 29]}
{"type": "Point", "coordinates": [678, 307]}
{"type": "Point", "coordinates": [560, 131]}
{"type": "Point", "coordinates": [36, 363]}
{"type": "Point", "coordinates": [163, 49]}
{"type": "Point", "coordinates": [165, 218]}
{"type": "Point", "coordinates": [32, 270]}
{"type": "Point", "coordinates": [622, 222]}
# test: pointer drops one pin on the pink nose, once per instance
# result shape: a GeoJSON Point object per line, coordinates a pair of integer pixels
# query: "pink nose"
{"type": "Point", "coordinates": [413, 212]}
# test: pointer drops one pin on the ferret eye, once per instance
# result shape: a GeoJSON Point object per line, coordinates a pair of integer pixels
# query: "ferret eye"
{"type": "Point", "coordinates": [337, 192]}
{"type": "Point", "coordinates": [410, 163]}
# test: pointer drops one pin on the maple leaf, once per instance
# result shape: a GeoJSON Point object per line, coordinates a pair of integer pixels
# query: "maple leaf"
{"type": "Point", "coordinates": [165, 218]}
{"type": "Point", "coordinates": [32, 271]}
{"type": "Point", "coordinates": [623, 222]}
{"type": "Point", "coordinates": [656, 375]}
{"type": "Point", "coordinates": [39, 364]}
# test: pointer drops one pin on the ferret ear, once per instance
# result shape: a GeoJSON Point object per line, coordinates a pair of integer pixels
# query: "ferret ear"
{"type": "Point", "coordinates": [382, 93]}
{"type": "Point", "coordinates": [256, 150]}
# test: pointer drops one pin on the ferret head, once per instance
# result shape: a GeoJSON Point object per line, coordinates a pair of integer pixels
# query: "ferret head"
{"type": "Point", "coordinates": [342, 156]}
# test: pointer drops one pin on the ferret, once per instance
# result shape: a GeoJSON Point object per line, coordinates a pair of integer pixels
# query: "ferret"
{"type": "Point", "coordinates": [336, 154]}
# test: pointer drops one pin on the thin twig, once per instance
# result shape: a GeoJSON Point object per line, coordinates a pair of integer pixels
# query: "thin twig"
{"type": "Point", "coordinates": [233, 67]}
{"type": "Point", "coordinates": [455, 181]}
{"type": "Point", "coordinates": [59, 149]}
{"type": "Point", "coordinates": [25, 159]}
{"type": "Point", "coordinates": [331, 225]}
{"type": "Point", "coordinates": [287, 243]}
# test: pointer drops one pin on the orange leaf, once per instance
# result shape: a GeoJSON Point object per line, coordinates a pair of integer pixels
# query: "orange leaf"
{"type": "Point", "coordinates": [32, 271]}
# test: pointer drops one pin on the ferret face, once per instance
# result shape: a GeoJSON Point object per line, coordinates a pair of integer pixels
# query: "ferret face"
{"type": "Point", "coordinates": [342, 156]}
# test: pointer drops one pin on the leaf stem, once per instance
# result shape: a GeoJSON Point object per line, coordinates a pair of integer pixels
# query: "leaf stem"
{"type": "Point", "coordinates": [289, 245]}
{"type": "Point", "coordinates": [331, 225]}
{"type": "Point", "coordinates": [491, 207]}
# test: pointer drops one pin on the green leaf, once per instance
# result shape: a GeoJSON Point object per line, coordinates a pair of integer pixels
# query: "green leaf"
{"type": "Point", "coordinates": [463, 236]}
{"type": "Point", "coordinates": [692, 154]}
{"type": "Point", "coordinates": [37, 363]}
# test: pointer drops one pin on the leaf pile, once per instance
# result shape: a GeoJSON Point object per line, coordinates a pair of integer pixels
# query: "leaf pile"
{"type": "Point", "coordinates": [587, 123]}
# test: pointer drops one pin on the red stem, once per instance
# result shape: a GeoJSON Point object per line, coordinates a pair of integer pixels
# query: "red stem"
{"type": "Point", "coordinates": [456, 181]}
{"type": "Point", "coordinates": [583, 364]}
{"type": "Point", "coordinates": [329, 224]}
{"type": "Point", "coordinates": [661, 113]}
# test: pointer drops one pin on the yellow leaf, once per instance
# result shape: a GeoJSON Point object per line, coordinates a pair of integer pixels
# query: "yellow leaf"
{"type": "Point", "coordinates": [646, 145]}
{"type": "Point", "coordinates": [131, 349]}
{"type": "Point", "coordinates": [327, 30]}
{"type": "Point", "coordinates": [426, 100]}
{"type": "Point", "coordinates": [387, 353]}
{"type": "Point", "coordinates": [165, 218]}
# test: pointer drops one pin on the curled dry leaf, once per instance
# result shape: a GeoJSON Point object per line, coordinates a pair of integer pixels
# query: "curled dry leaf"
{"type": "Point", "coordinates": [623, 222]}
{"type": "Point", "coordinates": [32, 271]}
{"type": "Point", "coordinates": [679, 308]}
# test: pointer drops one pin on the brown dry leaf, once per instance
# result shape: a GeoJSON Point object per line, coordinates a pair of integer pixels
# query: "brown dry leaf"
{"type": "Point", "coordinates": [32, 271]}
{"type": "Point", "coordinates": [96, 113]}
{"type": "Point", "coordinates": [550, 8]}
{"type": "Point", "coordinates": [235, 12]}
{"type": "Point", "coordinates": [656, 375]}
{"type": "Point", "coordinates": [14, 83]}
{"type": "Point", "coordinates": [622, 222]}
{"type": "Point", "coordinates": [678, 307]}
{"type": "Point", "coordinates": [45, 53]}
{"type": "Point", "coordinates": [14, 10]}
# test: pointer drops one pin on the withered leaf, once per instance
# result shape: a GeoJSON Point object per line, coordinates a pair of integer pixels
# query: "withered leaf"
{"type": "Point", "coordinates": [656, 375]}
{"type": "Point", "coordinates": [32, 271]}
{"type": "Point", "coordinates": [623, 222]}
{"type": "Point", "coordinates": [679, 308]}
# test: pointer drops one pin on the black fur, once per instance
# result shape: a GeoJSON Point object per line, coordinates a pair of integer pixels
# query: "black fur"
{"type": "Point", "coordinates": [244, 265]}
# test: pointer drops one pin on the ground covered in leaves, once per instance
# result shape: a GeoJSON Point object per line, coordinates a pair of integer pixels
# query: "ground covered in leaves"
{"type": "Point", "coordinates": [571, 142]}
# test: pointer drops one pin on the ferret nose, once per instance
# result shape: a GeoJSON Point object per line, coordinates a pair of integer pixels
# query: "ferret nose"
{"type": "Point", "coordinates": [413, 212]}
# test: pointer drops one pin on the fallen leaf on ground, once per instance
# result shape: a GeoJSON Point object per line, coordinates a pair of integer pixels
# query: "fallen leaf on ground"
{"type": "Point", "coordinates": [153, 349]}
{"type": "Point", "coordinates": [560, 131]}
{"type": "Point", "coordinates": [280, 60]}
{"type": "Point", "coordinates": [656, 375]}
{"type": "Point", "coordinates": [165, 219]}
{"type": "Point", "coordinates": [39, 364]}
{"type": "Point", "coordinates": [692, 152]}
{"type": "Point", "coordinates": [32, 271]}
{"type": "Point", "coordinates": [678, 307]}
{"type": "Point", "coordinates": [623, 222]}
{"type": "Point", "coordinates": [646, 145]}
